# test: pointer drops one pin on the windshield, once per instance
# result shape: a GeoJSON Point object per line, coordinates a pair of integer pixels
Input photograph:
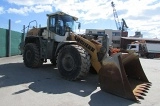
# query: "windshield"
{"type": "Point", "coordinates": [68, 21]}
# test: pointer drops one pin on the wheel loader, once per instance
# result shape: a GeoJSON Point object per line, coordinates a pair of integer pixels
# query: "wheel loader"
{"type": "Point", "coordinates": [74, 54]}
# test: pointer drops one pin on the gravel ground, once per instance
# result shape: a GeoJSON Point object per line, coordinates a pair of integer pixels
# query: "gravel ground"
{"type": "Point", "coordinates": [21, 86]}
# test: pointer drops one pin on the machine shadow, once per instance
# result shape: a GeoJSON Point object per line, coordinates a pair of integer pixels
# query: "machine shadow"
{"type": "Point", "coordinates": [59, 86]}
{"type": "Point", "coordinates": [48, 80]}
{"type": "Point", "coordinates": [16, 73]}
{"type": "Point", "coordinates": [45, 79]}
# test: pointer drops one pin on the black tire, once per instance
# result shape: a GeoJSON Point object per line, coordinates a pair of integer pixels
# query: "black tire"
{"type": "Point", "coordinates": [31, 56]}
{"type": "Point", "coordinates": [151, 56]}
{"type": "Point", "coordinates": [73, 62]}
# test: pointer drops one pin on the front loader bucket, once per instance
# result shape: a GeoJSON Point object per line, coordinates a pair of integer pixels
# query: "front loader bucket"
{"type": "Point", "coordinates": [123, 76]}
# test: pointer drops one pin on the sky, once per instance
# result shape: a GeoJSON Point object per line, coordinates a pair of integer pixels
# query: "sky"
{"type": "Point", "coordinates": [140, 15]}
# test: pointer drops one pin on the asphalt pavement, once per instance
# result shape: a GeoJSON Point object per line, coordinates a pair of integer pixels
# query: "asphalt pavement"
{"type": "Point", "coordinates": [22, 86]}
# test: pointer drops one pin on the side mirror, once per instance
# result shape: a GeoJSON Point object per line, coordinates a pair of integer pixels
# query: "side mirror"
{"type": "Point", "coordinates": [79, 26]}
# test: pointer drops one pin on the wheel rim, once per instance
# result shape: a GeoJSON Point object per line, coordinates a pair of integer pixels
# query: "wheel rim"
{"type": "Point", "coordinates": [68, 62]}
{"type": "Point", "coordinates": [28, 55]}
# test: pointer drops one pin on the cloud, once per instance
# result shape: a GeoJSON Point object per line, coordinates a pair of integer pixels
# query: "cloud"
{"type": "Point", "coordinates": [30, 2]}
{"type": "Point", "coordinates": [86, 10]}
{"type": "Point", "coordinates": [136, 7]}
{"type": "Point", "coordinates": [26, 10]}
{"type": "Point", "coordinates": [139, 14]}
{"type": "Point", "coordinates": [1, 10]}
{"type": "Point", "coordinates": [22, 11]}
{"type": "Point", "coordinates": [41, 8]}
{"type": "Point", "coordinates": [18, 21]}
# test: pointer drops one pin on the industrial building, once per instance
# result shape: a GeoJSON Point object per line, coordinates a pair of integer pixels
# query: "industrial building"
{"type": "Point", "coordinates": [114, 35]}
{"type": "Point", "coordinates": [118, 41]}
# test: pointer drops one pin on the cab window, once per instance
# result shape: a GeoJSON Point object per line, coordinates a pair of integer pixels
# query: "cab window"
{"type": "Point", "coordinates": [52, 24]}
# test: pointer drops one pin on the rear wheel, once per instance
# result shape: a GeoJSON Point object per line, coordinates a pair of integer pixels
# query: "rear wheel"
{"type": "Point", "coordinates": [73, 62]}
{"type": "Point", "coordinates": [31, 56]}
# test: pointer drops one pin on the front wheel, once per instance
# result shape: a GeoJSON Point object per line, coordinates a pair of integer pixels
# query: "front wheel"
{"type": "Point", "coordinates": [73, 62]}
{"type": "Point", "coordinates": [31, 56]}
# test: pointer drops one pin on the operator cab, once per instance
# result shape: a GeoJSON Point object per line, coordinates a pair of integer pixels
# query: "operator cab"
{"type": "Point", "coordinates": [61, 22]}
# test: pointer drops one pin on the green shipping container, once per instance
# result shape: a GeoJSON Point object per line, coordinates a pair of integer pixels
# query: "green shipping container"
{"type": "Point", "coordinates": [15, 41]}
{"type": "Point", "coordinates": [3, 44]}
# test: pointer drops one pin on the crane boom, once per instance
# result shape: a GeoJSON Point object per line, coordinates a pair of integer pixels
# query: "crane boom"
{"type": "Point", "coordinates": [118, 25]}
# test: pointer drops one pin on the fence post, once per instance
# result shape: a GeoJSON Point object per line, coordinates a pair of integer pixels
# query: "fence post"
{"type": "Point", "coordinates": [9, 39]}
{"type": "Point", "coordinates": [23, 35]}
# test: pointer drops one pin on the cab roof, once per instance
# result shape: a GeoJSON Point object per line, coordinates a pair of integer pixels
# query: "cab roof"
{"type": "Point", "coordinates": [61, 13]}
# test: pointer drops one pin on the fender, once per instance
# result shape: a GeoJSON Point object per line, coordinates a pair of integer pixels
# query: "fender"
{"type": "Point", "coordinates": [62, 44]}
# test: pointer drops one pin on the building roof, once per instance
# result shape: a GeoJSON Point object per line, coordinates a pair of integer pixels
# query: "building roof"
{"type": "Point", "coordinates": [134, 38]}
